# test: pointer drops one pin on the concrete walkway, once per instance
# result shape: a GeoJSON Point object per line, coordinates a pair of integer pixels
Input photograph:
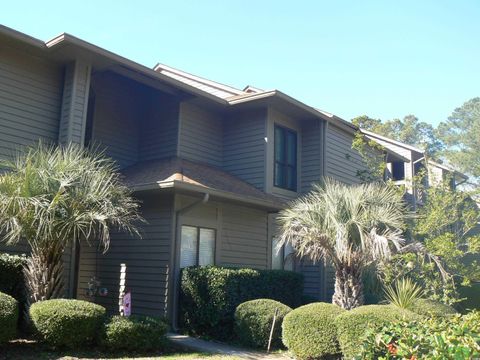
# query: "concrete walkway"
{"type": "Point", "coordinates": [220, 348]}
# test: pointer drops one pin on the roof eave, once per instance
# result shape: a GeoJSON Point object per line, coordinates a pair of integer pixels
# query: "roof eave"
{"type": "Point", "coordinates": [181, 185]}
{"type": "Point", "coordinates": [67, 39]}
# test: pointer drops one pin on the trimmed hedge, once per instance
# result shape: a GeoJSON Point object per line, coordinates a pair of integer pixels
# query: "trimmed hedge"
{"type": "Point", "coordinates": [8, 317]}
{"type": "Point", "coordinates": [11, 274]}
{"type": "Point", "coordinates": [427, 307]}
{"type": "Point", "coordinates": [309, 331]}
{"type": "Point", "coordinates": [210, 295]}
{"type": "Point", "coordinates": [67, 323]}
{"type": "Point", "coordinates": [352, 325]}
{"type": "Point", "coordinates": [253, 322]}
{"type": "Point", "coordinates": [135, 333]}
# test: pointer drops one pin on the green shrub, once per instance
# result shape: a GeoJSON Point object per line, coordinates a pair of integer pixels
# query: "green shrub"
{"type": "Point", "coordinates": [67, 323]}
{"type": "Point", "coordinates": [253, 322]}
{"type": "Point", "coordinates": [309, 331]}
{"type": "Point", "coordinates": [11, 274]}
{"type": "Point", "coordinates": [135, 333]}
{"type": "Point", "coordinates": [429, 307]}
{"type": "Point", "coordinates": [455, 337]}
{"type": "Point", "coordinates": [210, 295]}
{"type": "Point", "coordinates": [8, 317]}
{"type": "Point", "coordinates": [352, 325]}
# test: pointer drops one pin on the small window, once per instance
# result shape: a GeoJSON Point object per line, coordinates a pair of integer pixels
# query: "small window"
{"type": "Point", "coordinates": [398, 170]}
{"type": "Point", "coordinates": [285, 167]}
{"type": "Point", "coordinates": [282, 259]}
{"type": "Point", "coordinates": [197, 246]}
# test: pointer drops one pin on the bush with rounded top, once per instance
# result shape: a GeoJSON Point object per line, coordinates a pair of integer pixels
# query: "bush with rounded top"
{"type": "Point", "coordinates": [67, 323]}
{"type": "Point", "coordinates": [135, 333]}
{"type": "Point", "coordinates": [210, 294]}
{"type": "Point", "coordinates": [352, 325]}
{"type": "Point", "coordinates": [253, 322]}
{"type": "Point", "coordinates": [434, 308]}
{"type": "Point", "coordinates": [8, 317]}
{"type": "Point", "coordinates": [310, 332]}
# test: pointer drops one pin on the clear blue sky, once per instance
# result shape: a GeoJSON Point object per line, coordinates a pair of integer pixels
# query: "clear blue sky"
{"type": "Point", "coordinates": [385, 59]}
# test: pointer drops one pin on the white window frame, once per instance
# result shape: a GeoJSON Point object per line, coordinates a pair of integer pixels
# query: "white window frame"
{"type": "Point", "coordinates": [199, 228]}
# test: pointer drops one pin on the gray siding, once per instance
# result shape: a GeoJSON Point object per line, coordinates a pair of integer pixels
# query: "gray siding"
{"type": "Point", "coordinates": [244, 147]}
{"type": "Point", "coordinates": [342, 163]}
{"type": "Point", "coordinates": [244, 237]}
{"type": "Point", "coordinates": [200, 137]}
{"type": "Point", "coordinates": [30, 107]}
{"type": "Point", "coordinates": [119, 108]}
{"type": "Point", "coordinates": [159, 131]}
{"type": "Point", "coordinates": [74, 103]}
{"type": "Point", "coordinates": [30, 100]}
{"type": "Point", "coordinates": [311, 164]}
{"type": "Point", "coordinates": [147, 261]}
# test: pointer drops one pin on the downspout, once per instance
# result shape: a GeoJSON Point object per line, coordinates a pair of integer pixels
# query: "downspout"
{"type": "Point", "coordinates": [175, 266]}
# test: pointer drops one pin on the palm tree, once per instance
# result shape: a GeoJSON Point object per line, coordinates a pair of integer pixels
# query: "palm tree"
{"type": "Point", "coordinates": [53, 196]}
{"type": "Point", "coordinates": [351, 227]}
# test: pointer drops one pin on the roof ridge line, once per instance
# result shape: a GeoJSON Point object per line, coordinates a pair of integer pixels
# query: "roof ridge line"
{"type": "Point", "coordinates": [200, 79]}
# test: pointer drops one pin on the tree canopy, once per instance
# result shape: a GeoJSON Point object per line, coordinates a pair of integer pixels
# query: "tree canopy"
{"type": "Point", "coordinates": [460, 134]}
{"type": "Point", "coordinates": [456, 140]}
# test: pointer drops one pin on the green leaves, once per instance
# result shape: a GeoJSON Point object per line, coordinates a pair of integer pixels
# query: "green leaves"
{"type": "Point", "coordinates": [404, 293]}
{"type": "Point", "coordinates": [51, 196]}
{"type": "Point", "coordinates": [457, 337]}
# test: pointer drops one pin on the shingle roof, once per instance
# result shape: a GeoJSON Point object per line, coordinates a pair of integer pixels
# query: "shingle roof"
{"type": "Point", "coordinates": [176, 170]}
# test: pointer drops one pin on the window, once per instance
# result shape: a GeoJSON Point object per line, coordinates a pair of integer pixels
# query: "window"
{"type": "Point", "coordinates": [398, 170]}
{"type": "Point", "coordinates": [282, 259]}
{"type": "Point", "coordinates": [197, 246]}
{"type": "Point", "coordinates": [285, 169]}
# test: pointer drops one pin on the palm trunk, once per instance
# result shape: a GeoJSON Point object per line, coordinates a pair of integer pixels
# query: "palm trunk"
{"type": "Point", "coordinates": [348, 287]}
{"type": "Point", "coordinates": [44, 272]}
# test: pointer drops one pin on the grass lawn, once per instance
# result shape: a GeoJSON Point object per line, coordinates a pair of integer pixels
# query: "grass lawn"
{"type": "Point", "coordinates": [31, 350]}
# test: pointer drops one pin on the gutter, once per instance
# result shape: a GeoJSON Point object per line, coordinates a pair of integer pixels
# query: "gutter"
{"type": "Point", "coordinates": [181, 185]}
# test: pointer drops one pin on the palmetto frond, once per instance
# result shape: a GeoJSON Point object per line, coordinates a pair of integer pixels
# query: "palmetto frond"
{"type": "Point", "coordinates": [337, 222]}
{"type": "Point", "coordinates": [52, 196]}
{"type": "Point", "coordinates": [350, 227]}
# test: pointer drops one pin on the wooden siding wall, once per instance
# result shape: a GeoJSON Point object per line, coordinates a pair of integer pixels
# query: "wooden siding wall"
{"type": "Point", "coordinates": [241, 231]}
{"type": "Point", "coordinates": [342, 163]}
{"type": "Point", "coordinates": [30, 100]}
{"type": "Point", "coordinates": [200, 135]}
{"type": "Point", "coordinates": [74, 103]}
{"type": "Point", "coordinates": [159, 130]}
{"type": "Point", "coordinates": [244, 147]}
{"type": "Point", "coordinates": [120, 106]}
{"type": "Point", "coordinates": [31, 105]}
{"type": "Point", "coordinates": [311, 170]}
{"type": "Point", "coordinates": [244, 237]}
{"type": "Point", "coordinates": [147, 260]}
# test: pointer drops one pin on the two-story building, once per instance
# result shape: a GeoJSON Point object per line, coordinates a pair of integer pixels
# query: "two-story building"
{"type": "Point", "coordinates": [416, 171]}
{"type": "Point", "coordinates": [211, 164]}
